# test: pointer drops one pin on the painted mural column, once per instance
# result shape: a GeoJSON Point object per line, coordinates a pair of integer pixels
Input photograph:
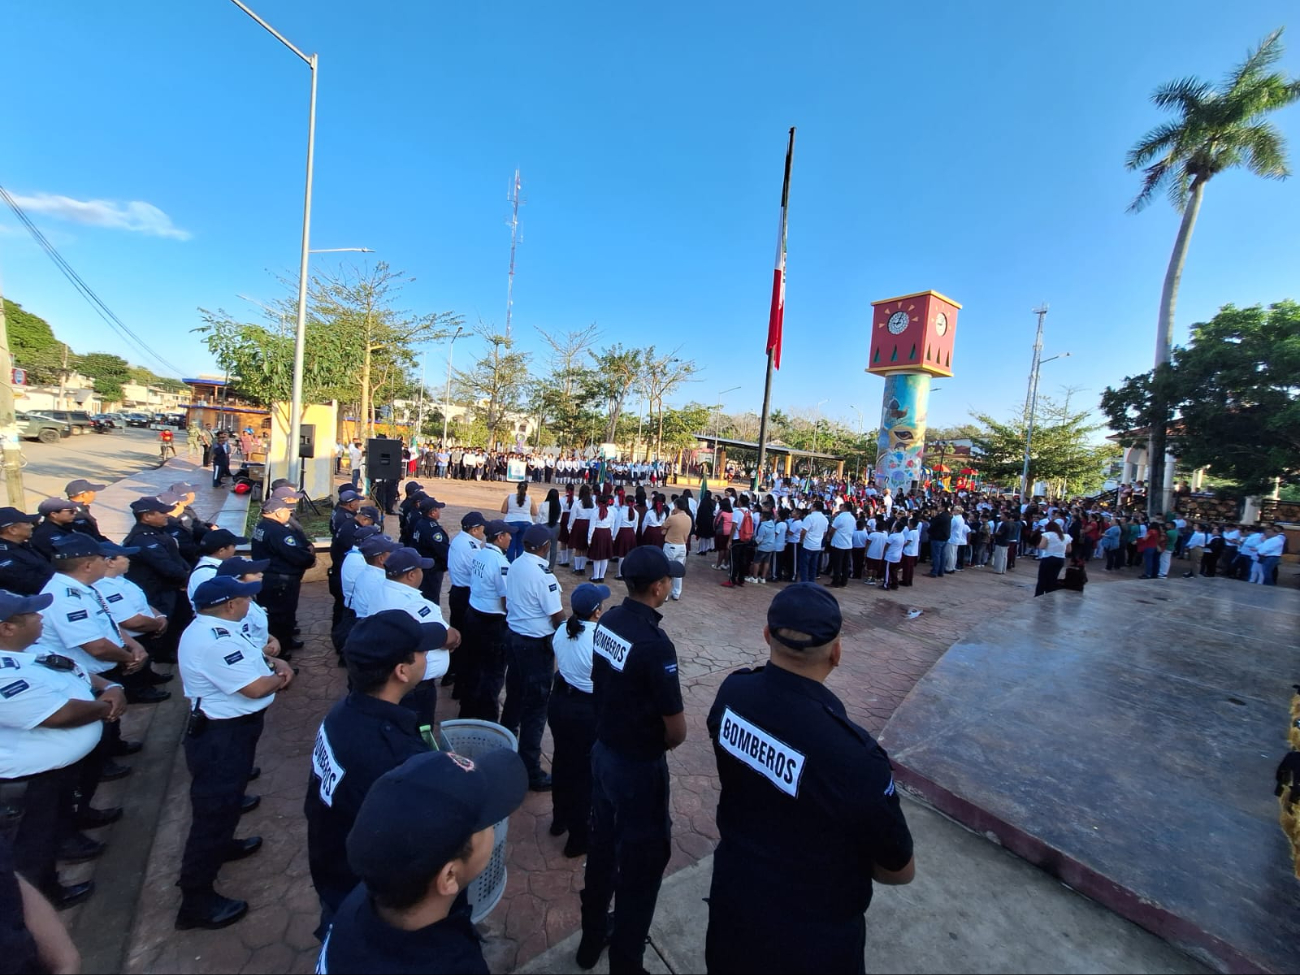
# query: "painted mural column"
{"type": "Point", "coordinates": [911, 342]}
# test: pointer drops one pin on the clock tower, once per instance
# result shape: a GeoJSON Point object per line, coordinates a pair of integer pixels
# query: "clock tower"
{"type": "Point", "coordinates": [911, 341]}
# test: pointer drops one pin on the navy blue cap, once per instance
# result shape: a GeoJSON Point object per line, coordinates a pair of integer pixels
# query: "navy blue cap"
{"type": "Point", "coordinates": [75, 545]}
{"type": "Point", "coordinates": [804, 607]}
{"type": "Point", "coordinates": [536, 535]}
{"type": "Point", "coordinates": [238, 566]}
{"type": "Point", "coordinates": [220, 538]}
{"type": "Point", "coordinates": [404, 560]}
{"type": "Point", "coordinates": [50, 505]}
{"type": "Point", "coordinates": [81, 486]}
{"type": "Point", "coordinates": [348, 494]}
{"type": "Point", "coordinates": [365, 531]}
{"type": "Point", "coordinates": [371, 512]}
{"type": "Point", "coordinates": [587, 597]}
{"type": "Point", "coordinates": [377, 545]}
{"type": "Point", "coordinates": [12, 516]}
{"type": "Point", "coordinates": [222, 589]}
{"type": "Point", "coordinates": [389, 637]}
{"type": "Point", "coordinates": [497, 526]}
{"type": "Point", "coordinates": [413, 486]}
{"type": "Point", "coordinates": [427, 504]}
{"type": "Point", "coordinates": [472, 519]}
{"type": "Point", "coordinates": [392, 845]}
{"type": "Point", "coordinates": [273, 505]}
{"type": "Point", "coordinates": [112, 550]}
{"type": "Point", "coordinates": [171, 498]}
{"type": "Point", "coordinates": [12, 604]}
{"type": "Point", "coordinates": [646, 563]}
{"type": "Point", "coordinates": [142, 506]}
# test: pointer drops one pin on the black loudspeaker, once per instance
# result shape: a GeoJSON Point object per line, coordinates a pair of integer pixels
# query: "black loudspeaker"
{"type": "Point", "coordinates": [383, 459]}
{"type": "Point", "coordinates": [307, 441]}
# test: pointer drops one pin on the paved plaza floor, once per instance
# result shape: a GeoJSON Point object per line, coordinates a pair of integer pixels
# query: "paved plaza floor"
{"type": "Point", "coordinates": [716, 630]}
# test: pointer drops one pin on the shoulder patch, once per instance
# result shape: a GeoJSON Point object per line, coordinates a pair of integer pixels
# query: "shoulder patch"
{"type": "Point", "coordinates": [234, 658]}
{"type": "Point", "coordinates": [80, 614]}
{"type": "Point", "coordinates": [74, 593]}
{"type": "Point", "coordinates": [290, 540]}
{"type": "Point", "coordinates": [505, 570]}
{"type": "Point", "coordinates": [9, 663]}
{"type": "Point", "coordinates": [14, 689]}
{"type": "Point", "coordinates": [114, 597]}
{"type": "Point", "coordinates": [220, 631]}
{"type": "Point", "coordinates": [553, 587]}
{"type": "Point", "coordinates": [768, 756]}
{"type": "Point", "coordinates": [425, 610]}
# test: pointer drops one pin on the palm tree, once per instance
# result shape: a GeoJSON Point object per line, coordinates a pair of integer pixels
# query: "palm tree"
{"type": "Point", "coordinates": [1216, 129]}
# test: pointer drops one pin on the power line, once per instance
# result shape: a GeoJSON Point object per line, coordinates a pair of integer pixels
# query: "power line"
{"type": "Point", "coordinates": [84, 289]}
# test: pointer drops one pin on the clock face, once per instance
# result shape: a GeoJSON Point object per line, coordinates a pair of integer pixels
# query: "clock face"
{"type": "Point", "coordinates": [898, 323]}
{"type": "Point", "coordinates": [941, 324]}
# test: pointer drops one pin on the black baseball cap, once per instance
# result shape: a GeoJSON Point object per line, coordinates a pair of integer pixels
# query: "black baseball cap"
{"type": "Point", "coordinates": [142, 506]}
{"type": "Point", "coordinates": [413, 486]}
{"type": "Point", "coordinates": [238, 566]}
{"type": "Point", "coordinates": [50, 505]}
{"type": "Point", "coordinates": [81, 486]}
{"type": "Point", "coordinates": [222, 589]}
{"type": "Point", "coordinates": [220, 538]}
{"type": "Point", "coordinates": [12, 516]}
{"type": "Point", "coordinates": [12, 604]}
{"type": "Point", "coordinates": [393, 844]}
{"type": "Point", "coordinates": [472, 519]}
{"type": "Point", "coordinates": [646, 563]}
{"type": "Point", "coordinates": [404, 560]}
{"type": "Point", "coordinates": [389, 637]}
{"type": "Point", "coordinates": [804, 607]}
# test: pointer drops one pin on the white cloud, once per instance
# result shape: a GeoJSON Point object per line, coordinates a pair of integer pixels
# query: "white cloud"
{"type": "Point", "coordinates": [136, 216]}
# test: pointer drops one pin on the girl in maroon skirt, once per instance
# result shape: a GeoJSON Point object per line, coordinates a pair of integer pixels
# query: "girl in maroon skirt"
{"type": "Point", "coordinates": [562, 538]}
{"type": "Point", "coordinates": [580, 528]}
{"type": "Point", "coordinates": [600, 543]}
{"type": "Point", "coordinates": [652, 525]}
{"type": "Point", "coordinates": [625, 536]}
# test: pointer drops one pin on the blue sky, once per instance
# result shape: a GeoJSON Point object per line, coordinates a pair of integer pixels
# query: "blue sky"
{"type": "Point", "coordinates": [976, 149]}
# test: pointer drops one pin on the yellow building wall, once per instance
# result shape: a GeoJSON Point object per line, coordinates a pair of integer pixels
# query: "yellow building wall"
{"type": "Point", "coordinates": [319, 471]}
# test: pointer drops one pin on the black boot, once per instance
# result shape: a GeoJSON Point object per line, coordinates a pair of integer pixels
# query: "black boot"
{"type": "Point", "coordinates": [208, 909]}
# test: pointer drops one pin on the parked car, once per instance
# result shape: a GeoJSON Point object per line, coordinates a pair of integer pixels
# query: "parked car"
{"type": "Point", "coordinates": [46, 429]}
{"type": "Point", "coordinates": [106, 419]}
{"type": "Point", "coordinates": [79, 420]}
{"type": "Point", "coordinates": [138, 419]}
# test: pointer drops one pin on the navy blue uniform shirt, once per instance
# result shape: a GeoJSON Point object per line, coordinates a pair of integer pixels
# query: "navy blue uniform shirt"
{"type": "Point", "coordinates": [360, 941]}
{"type": "Point", "coordinates": [431, 541]}
{"type": "Point", "coordinates": [634, 679]}
{"type": "Point", "coordinates": [289, 551]}
{"type": "Point", "coordinates": [157, 568]}
{"type": "Point", "coordinates": [23, 569]}
{"type": "Point", "coordinates": [85, 523]}
{"type": "Point", "coordinates": [360, 739]}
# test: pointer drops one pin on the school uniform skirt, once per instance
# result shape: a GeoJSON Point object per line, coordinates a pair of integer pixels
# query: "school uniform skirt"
{"type": "Point", "coordinates": [653, 535]}
{"type": "Point", "coordinates": [602, 545]}
{"type": "Point", "coordinates": [625, 542]}
{"type": "Point", "coordinates": [563, 536]}
{"type": "Point", "coordinates": [578, 534]}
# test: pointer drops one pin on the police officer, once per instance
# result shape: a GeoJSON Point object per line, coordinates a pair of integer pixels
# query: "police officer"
{"type": "Point", "coordinates": [289, 558]}
{"type": "Point", "coordinates": [217, 545]}
{"type": "Point", "coordinates": [430, 539]}
{"type": "Point", "coordinates": [639, 717]}
{"type": "Point", "coordinates": [572, 718]}
{"type": "Point", "coordinates": [341, 543]}
{"type": "Point", "coordinates": [186, 541]}
{"type": "Point", "coordinates": [254, 626]}
{"type": "Point", "coordinates": [483, 672]}
{"type": "Point", "coordinates": [22, 569]}
{"type": "Point", "coordinates": [229, 685]}
{"type": "Point", "coordinates": [370, 580]}
{"type": "Point", "coordinates": [363, 736]}
{"type": "Point", "coordinates": [410, 912]}
{"type": "Point", "coordinates": [407, 511]}
{"type": "Point", "coordinates": [158, 567]}
{"type": "Point", "coordinates": [129, 608]}
{"type": "Point", "coordinates": [188, 516]}
{"type": "Point", "coordinates": [534, 608]}
{"type": "Point", "coordinates": [342, 524]}
{"type": "Point", "coordinates": [52, 715]}
{"type": "Point", "coordinates": [460, 560]}
{"type": "Point", "coordinates": [403, 571]}
{"type": "Point", "coordinates": [801, 784]}
{"type": "Point", "coordinates": [82, 493]}
{"type": "Point", "coordinates": [56, 522]}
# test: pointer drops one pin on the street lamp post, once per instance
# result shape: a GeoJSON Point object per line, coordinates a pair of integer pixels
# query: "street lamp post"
{"type": "Point", "coordinates": [446, 406]}
{"type": "Point", "coordinates": [717, 425]}
{"type": "Point", "coordinates": [1033, 407]}
{"type": "Point", "coordinates": [816, 424]}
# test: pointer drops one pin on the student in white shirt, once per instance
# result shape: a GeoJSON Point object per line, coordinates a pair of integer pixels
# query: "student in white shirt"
{"type": "Point", "coordinates": [911, 551]}
{"type": "Point", "coordinates": [841, 531]}
{"type": "Point", "coordinates": [1269, 554]}
{"type": "Point", "coordinates": [571, 715]}
{"type": "Point", "coordinates": [876, 540]}
{"type": "Point", "coordinates": [894, 544]}
{"type": "Point", "coordinates": [814, 533]}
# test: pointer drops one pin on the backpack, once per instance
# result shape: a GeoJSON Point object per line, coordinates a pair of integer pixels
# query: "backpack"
{"type": "Point", "coordinates": [746, 527]}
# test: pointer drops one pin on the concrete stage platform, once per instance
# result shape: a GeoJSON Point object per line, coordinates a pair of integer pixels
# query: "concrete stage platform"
{"type": "Point", "coordinates": [1125, 739]}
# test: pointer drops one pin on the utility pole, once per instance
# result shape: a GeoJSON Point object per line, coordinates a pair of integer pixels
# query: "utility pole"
{"type": "Point", "coordinates": [515, 239]}
{"type": "Point", "coordinates": [1031, 395]}
{"type": "Point", "coordinates": [9, 440]}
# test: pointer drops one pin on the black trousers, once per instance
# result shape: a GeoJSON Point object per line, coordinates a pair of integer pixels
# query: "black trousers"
{"type": "Point", "coordinates": [219, 761]}
{"type": "Point", "coordinates": [48, 806]}
{"type": "Point", "coordinates": [458, 603]}
{"type": "Point", "coordinates": [530, 664]}
{"type": "Point", "coordinates": [840, 558]}
{"type": "Point", "coordinates": [335, 583]}
{"type": "Point", "coordinates": [572, 717]}
{"type": "Point", "coordinates": [859, 560]}
{"type": "Point", "coordinates": [483, 667]}
{"type": "Point", "coordinates": [1049, 568]}
{"type": "Point", "coordinates": [279, 597]}
{"type": "Point", "coordinates": [431, 586]}
{"type": "Point", "coordinates": [742, 557]}
{"type": "Point", "coordinates": [1209, 563]}
{"type": "Point", "coordinates": [630, 846]}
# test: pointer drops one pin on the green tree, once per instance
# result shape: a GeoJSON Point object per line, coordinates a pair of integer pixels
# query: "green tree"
{"type": "Point", "coordinates": [34, 347]}
{"type": "Point", "coordinates": [107, 370]}
{"type": "Point", "coordinates": [1061, 451]}
{"type": "Point", "coordinates": [1234, 390]}
{"type": "Point", "coordinates": [495, 385]}
{"type": "Point", "coordinates": [1217, 128]}
{"type": "Point", "coordinates": [661, 376]}
{"type": "Point", "coordinates": [566, 395]}
{"type": "Point", "coordinates": [615, 373]}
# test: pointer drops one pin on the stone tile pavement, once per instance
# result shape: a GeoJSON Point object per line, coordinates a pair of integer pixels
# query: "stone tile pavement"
{"type": "Point", "coordinates": [716, 630]}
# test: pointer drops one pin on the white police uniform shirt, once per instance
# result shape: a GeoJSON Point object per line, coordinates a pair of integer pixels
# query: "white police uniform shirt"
{"type": "Point", "coordinates": [398, 595]}
{"type": "Point", "coordinates": [532, 596]}
{"type": "Point", "coordinates": [487, 584]}
{"type": "Point", "coordinates": [255, 626]}
{"type": "Point", "coordinates": [460, 558]}
{"type": "Point", "coordinates": [78, 615]}
{"type": "Point", "coordinates": [353, 563]}
{"type": "Point", "coordinates": [203, 570]}
{"type": "Point", "coordinates": [573, 655]}
{"type": "Point", "coordinates": [125, 600]}
{"type": "Point", "coordinates": [366, 589]}
{"type": "Point", "coordinates": [215, 662]}
{"type": "Point", "coordinates": [29, 693]}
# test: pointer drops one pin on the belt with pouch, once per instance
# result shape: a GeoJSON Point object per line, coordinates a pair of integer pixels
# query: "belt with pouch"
{"type": "Point", "coordinates": [562, 686]}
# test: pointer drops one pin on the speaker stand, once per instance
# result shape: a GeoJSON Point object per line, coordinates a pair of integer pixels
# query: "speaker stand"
{"type": "Point", "coordinates": [302, 481]}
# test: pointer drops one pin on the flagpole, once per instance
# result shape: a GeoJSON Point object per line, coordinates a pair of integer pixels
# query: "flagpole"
{"type": "Point", "coordinates": [776, 318]}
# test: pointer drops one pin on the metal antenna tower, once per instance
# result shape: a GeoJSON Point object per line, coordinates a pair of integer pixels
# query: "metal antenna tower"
{"type": "Point", "coordinates": [516, 238]}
